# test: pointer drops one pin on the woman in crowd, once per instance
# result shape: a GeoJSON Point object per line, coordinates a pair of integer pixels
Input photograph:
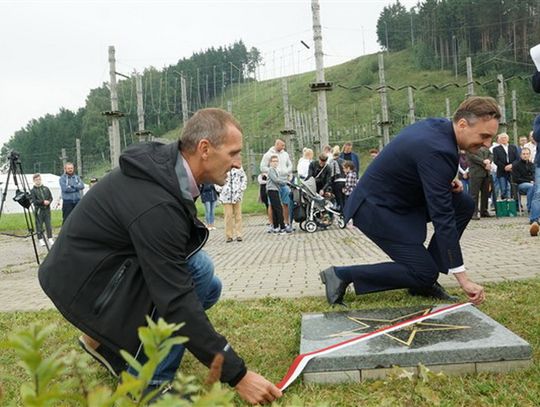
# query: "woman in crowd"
{"type": "Point", "coordinates": [209, 199]}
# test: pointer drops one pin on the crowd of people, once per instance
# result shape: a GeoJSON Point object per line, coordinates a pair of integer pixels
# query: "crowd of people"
{"type": "Point", "coordinates": [501, 172]}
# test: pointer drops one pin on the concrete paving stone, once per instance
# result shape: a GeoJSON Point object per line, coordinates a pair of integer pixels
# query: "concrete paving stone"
{"type": "Point", "coordinates": [495, 250]}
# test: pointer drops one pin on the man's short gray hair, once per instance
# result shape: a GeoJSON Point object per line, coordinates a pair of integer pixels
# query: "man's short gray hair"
{"type": "Point", "coordinates": [210, 124]}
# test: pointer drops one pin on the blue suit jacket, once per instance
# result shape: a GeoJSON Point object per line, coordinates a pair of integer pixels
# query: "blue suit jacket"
{"type": "Point", "coordinates": [409, 184]}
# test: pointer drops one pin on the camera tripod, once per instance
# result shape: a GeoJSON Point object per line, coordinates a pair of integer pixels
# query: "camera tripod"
{"type": "Point", "coordinates": [22, 195]}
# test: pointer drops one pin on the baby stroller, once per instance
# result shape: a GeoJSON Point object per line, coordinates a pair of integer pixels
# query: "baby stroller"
{"type": "Point", "coordinates": [311, 210]}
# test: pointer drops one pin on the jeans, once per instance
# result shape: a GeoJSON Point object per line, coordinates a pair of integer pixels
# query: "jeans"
{"type": "Point", "coordinates": [209, 207]}
{"type": "Point", "coordinates": [67, 207]}
{"type": "Point", "coordinates": [535, 202]}
{"type": "Point", "coordinates": [465, 183]}
{"type": "Point", "coordinates": [208, 289]}
{"type": "Point", "coordinates": [284, 194]}
{"type": "Point", "coordinates": [527, 188]}
{"type": "Point", "coordinates": [504, 187]}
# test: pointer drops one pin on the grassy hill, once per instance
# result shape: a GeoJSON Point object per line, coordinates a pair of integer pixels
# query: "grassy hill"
{"type": "Point", "coordinates": [352, 113]}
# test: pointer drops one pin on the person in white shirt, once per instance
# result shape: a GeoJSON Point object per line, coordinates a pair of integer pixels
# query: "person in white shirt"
{"type": "Point", "coordinates": [531, 145]}
{"type": "Point", "coordinates": [303, 163]}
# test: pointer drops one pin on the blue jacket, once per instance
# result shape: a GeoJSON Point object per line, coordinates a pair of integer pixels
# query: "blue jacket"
{"type": "Point", "coordinates": [354, 158]}
{"type": "Point", "coordinates": [71, 186]}
{"type": "Point", "coordinates": [536, 124]}
{"type": "Point", "coordinates": [208, 193]}
{"type": "Point", "coordinates": [408, 185]}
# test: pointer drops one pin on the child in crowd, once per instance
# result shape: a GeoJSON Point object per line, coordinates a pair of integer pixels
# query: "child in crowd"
{"type": "Point", "coordinates": [42, 198]}
{"type": "Point", "coordinates": [209, 198]}
{"type": "Point", "coordinates": [350, 179]}
{"type": "Point", "coordinates": [272, 189]}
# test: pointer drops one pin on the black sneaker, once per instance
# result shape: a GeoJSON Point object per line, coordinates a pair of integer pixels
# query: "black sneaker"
{"type": "Point", "coordinates": [106, 357]}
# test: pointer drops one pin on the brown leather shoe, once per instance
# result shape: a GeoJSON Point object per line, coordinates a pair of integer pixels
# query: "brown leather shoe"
{"type": "Point", "coordinates": [534, 229]}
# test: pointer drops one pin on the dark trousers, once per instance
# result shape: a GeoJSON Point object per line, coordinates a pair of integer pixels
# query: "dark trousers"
{"type": "Point", "coordinates": [337, 188]}
{"type": "Point", "coordinates": [413, 265]}
{"type": "Point", "coordinates": [479, 186]}
{"type": "Point", "coordinates": [43, 218]}
{"type": "Point", "coordinates": [67, 207]}
{"type": "Point", "coordinates": [277, 210]}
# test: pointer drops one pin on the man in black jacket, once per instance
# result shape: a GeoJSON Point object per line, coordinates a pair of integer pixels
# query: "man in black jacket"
{"type": "Point", "coordinates": [132, 247]}
{"type": "Point", "coordinates": [503, 157]}
{"type": "Point", "coordinates": [320, 170]}
{"type": "Point", "coordinates": [523, 175]}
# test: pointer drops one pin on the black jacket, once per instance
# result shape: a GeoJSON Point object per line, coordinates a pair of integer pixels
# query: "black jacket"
{"type": "Point", "coordinates": [322, 175]}
{"type": "Point", "coordinates": [501, 159]}
{"type": "Point", "coordinates": [40, 194]}
{"type": "Point", "coordinates": [121, 255]}
{"type": "Point", "coordinates": [522, 171]}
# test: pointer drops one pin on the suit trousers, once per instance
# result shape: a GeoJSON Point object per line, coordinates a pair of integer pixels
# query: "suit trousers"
{"type": "Point", "coordinates": [479, 186]}
{"type": "Point", "coordinates": [413, 265]}
{"type": "Point", "coordinates": [233, 219]}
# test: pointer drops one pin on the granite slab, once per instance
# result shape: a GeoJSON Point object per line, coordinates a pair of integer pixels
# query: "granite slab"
{"type": "Point", "coordinates": [467, 337]}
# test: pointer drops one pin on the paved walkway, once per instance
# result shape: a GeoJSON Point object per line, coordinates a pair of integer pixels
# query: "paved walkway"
{"type": "Point", "coordinates": [288, 265]}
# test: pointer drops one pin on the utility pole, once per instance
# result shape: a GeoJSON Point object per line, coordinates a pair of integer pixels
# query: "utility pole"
{"type": "Point", "coordinates": [111, 143]}
{"type": "Point", "coordinates": [222, 86]}
{"type": "Point", "coordinates": [454, 51]}
{"type": "Point", "coordinates": [448, 112]}
{"type": "Point", "coordinates": [115, 114]}
{"type": "Point", "coordinates": [502, 103]}
{"type": "Point", "coordinates": [470, 83]}
{"type": "Point", "coordinates": [385, 123]}
{"type": "Point", "coordinates": [79, 162]}
{"type": "Point", "coordinates": [141, 132]}
{"type": "Point", "coordinates": [214, 72]}
{"type": "Point", "coordinates": [379, 131]}
{"type": "Point", "coordinates": [315, 128]}
{"type": "Point", "coordinates": [229, 106]}
{"type": "Point", "coordinates": [412, 28]}
{"type": "Point", "coordinates": [288, 132]}
{"type": "Point", "coordinates": [320, 86]}
{"type": "Point", "coordinates": [412, 118]}
{"type": "Point", "coordinates": [198, 90]}
{"type": "Point", "coordinates": [386, 34]}
{"type": "Point", "coordinates": [514, 117]}
{"type": "Point", "coordinates": [183, 92]}
{"type": "Point", "coordinates": [64, 157]}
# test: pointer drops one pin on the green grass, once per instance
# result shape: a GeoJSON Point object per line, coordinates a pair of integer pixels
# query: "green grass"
{"type": "Point", "coordinates": [16, 222]}
{"type": "Point", "coordinates": [266, 333]}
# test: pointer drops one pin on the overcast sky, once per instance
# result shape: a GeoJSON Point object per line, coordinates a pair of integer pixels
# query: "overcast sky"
{"type": "Point", "coordinates": [53, 52]}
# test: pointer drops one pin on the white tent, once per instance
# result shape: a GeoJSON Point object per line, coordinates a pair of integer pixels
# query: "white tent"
{"type": "Point", "coordinates": [49, 180]}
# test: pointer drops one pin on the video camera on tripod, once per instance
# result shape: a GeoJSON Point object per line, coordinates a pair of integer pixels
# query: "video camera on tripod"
{"type": "Point", "coordinates": [22, 194]}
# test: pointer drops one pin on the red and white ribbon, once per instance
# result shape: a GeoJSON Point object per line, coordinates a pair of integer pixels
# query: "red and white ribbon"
{"type": "Point", "coordinates": [302, 360]}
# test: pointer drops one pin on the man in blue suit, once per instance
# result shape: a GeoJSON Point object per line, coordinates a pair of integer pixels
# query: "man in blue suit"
{"type": "Point", "coordinates": [413, 182]}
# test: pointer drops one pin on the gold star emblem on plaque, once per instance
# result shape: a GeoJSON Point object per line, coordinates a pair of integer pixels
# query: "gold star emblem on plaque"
{"type": "Point", "coordinates": [413, 329]}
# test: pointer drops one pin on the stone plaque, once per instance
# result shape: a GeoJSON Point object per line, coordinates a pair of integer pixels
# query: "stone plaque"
{"type": "Point", "coordinates": [460, 342]}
